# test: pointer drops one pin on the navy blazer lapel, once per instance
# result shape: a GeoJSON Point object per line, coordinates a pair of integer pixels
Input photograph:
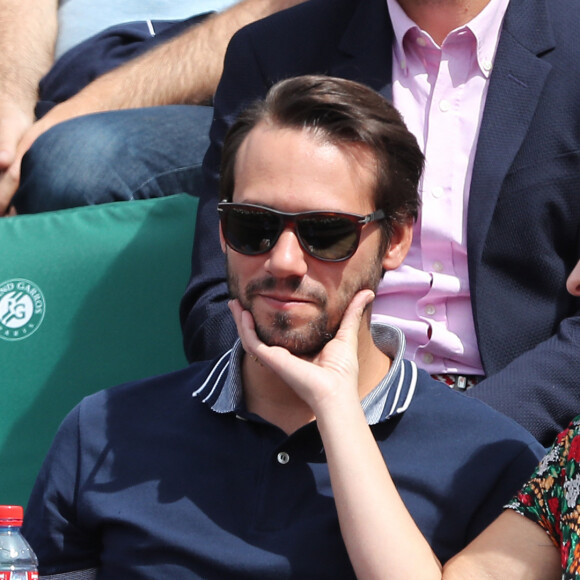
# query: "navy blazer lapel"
{"type": "Point", "coordinates": [369, 33]}
{"type": "Point", "coordinates": [518, 76]}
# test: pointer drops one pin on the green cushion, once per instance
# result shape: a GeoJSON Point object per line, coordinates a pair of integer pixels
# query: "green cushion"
{"type": "Point", "coordinates": [89, 298]}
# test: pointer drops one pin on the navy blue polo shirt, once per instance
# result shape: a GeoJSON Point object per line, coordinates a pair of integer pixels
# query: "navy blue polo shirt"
{"type": "Point", "coordinates": [146, 481]}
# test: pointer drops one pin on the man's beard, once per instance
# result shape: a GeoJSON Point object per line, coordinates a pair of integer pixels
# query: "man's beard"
{"type": "Point", "coordinates": [308, 339]}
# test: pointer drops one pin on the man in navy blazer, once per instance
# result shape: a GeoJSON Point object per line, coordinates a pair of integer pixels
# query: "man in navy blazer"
{"type": "Point", "coordinates": [524, 206]}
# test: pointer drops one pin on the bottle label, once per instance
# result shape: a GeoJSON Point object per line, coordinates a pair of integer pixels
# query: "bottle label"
{"type": "Point", "coordinates": [8, 575]}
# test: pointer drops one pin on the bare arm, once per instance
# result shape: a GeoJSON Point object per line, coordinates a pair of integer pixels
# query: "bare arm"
{"type": "Point", "coordinates": [511, 547]}
{"type": "Point", "coordinates": [380, 536]}
{"type": "Point", "coordinates": [185, 69]}
{"type": "Point", "coordinates": [382, 539]}
{"type": "Point", "coordinates": [27, 36]}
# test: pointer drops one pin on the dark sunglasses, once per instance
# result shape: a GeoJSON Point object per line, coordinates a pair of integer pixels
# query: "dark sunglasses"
{"type": "Point", "coordinates": [330, 236]}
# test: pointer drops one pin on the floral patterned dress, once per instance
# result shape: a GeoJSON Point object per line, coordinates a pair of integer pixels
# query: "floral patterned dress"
{"type": "Point", "coordinates": [551, 498]}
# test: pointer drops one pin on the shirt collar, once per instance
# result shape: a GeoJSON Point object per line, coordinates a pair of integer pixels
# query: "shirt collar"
{"type": "Point", "coordinates": [223, 392]}
{"type": "Point", "coordinates": [485, 28]}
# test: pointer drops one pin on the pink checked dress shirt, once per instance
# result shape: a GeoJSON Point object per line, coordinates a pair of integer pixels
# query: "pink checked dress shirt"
{"type": "Point", "coordinates": [440, 91]}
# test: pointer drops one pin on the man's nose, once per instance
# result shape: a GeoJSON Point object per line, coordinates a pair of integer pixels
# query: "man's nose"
{"type": "Point", "coordinates": [287, 258]}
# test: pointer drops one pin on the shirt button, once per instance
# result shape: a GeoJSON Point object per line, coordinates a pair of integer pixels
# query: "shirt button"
{"type": "Point", "coordinates": [487, 66]}
{"type": "Point", "coordinates": [437, 266]}
{"type": "Point", "coordinates": [428, 358]}
{"type": "Point", "coordinates": [437, 192]}
{"type": "Point", "coordinates": [283, 458]}
{"type": "Point", "coordinates": [430, 309]}
{"type": "Point", "coordinates": [444, 106]}
{"type": "Point", "coordinates": [421, 41]}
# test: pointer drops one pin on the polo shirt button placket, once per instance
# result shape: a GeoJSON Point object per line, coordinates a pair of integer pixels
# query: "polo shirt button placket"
{"type": "Point", "coordinates": [283, 458]}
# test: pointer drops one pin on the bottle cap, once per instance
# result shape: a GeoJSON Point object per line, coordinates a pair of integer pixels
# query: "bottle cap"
{"type": "Point", "coordinates": [11, 515]}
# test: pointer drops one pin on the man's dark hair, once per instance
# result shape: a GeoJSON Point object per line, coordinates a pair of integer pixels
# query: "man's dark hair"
{"type": "Point", "coordinates": [340, 112]}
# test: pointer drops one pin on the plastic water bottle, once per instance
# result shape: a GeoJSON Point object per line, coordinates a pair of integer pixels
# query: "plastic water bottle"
{"type": "Point", "coordinates": [17, 560]}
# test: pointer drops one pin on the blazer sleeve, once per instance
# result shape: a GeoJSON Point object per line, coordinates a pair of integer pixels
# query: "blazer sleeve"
{"type": "Point", "coordinates": [540, 389]}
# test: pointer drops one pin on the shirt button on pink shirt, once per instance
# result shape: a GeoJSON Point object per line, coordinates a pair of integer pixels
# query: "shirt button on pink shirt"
{"type": "Point", "coordinates": [440, 91]}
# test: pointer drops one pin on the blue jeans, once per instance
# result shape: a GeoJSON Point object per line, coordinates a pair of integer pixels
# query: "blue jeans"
{"type": "Point", "coordinates": [115, 156]}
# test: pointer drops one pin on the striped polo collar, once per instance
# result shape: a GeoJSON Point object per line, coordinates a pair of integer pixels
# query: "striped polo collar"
{"type": "Point", "coordinates": [222, 389]}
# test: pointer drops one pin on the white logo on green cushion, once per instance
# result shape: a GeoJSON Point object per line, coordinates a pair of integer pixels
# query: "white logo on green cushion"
{"type": "Point", "coordinates": [22, 309]}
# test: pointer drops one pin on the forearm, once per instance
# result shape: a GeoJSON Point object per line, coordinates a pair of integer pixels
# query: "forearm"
{"type": "Point", "coordinates": [28, 30]}
{"type": "Point", "coordinates": [185, 69]}
{"type": "Point", "coordinates": [511, 547]}
{"type": "Point", "coordinates": [379, 533]}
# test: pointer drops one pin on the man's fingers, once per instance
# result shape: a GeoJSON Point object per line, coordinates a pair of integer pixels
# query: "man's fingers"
{"type": "Point", "coordinates": [274, 357]}
{"type": "Point", "coordinates": [236, 310]}
{"type": "Point", "coordinates": [23, 136]}
{"type": "Point", "coordinates": [9, 181]}
{"type": "Point", "coordinates": [6, 156]}
{"type": "Point", "coordinates": [14, 123]}
{"type": "Point", "coordinates": [9, 138]}
{"type": "Point", "coordinates": [245, 325]}
{"type": "Point", "coordinates": [353, 314]}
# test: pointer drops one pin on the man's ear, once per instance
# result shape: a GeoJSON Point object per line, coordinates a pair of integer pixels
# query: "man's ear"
{"type": "Point", "coordinates": [399, 245]}
{"type": "Point", "coordinates": [222, 240]}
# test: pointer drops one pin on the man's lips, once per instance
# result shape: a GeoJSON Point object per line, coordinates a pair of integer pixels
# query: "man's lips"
{"type": "Point", "coordinates": [283, 301]}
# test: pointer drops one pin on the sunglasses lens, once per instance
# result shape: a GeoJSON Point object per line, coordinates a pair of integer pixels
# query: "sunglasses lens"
{"type": "Point", "coordinates": [329, 237]}
{"type": "Point", "coordinates": [251, 230]}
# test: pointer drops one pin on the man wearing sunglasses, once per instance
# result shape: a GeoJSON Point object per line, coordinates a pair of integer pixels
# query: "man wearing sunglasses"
{"type": "Point", "coordinates": [491, 90]}
{"type": "Point", "coordinates": [269, 462]}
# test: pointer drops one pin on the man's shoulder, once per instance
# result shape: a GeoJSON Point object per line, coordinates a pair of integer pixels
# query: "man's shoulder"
{"type": "Point", "coordinates": [316, 22]}
{"type": "Point", "coordinates": [558, 19]}
{"type": "Point", "coordinates": [564, 16]}
{"type": "Point", "coordinates": [561, 10]}
{"type": "Point", "coordinates": [314, 13]}
{"type": "Point", "coordinates": [161, 407]}
{"type": "Point", "coordinates": [172, 387]}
